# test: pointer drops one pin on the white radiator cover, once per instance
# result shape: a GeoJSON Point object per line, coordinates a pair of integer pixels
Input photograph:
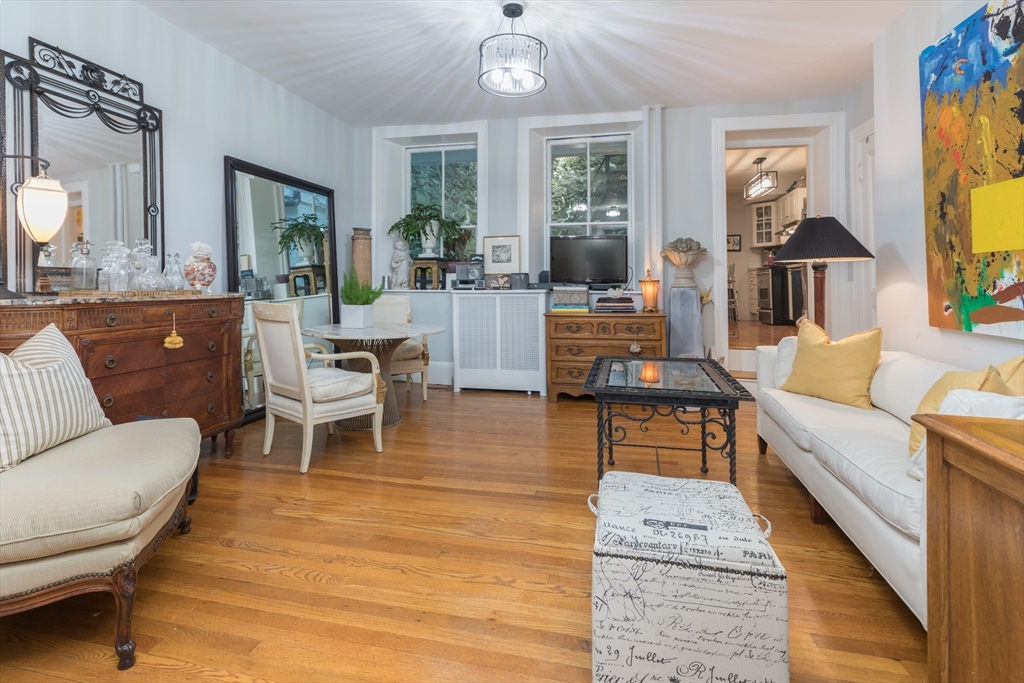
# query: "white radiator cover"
{"type": "Point", "coordinates": [499, 340]}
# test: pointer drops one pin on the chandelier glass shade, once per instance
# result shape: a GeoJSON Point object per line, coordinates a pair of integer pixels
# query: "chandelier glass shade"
{"type": "Point", "coordinates": [762, 183]}
{"type": "Point", "coordinates": [512, 65]}
{"type": "Point", "coordinates": [42, 206]}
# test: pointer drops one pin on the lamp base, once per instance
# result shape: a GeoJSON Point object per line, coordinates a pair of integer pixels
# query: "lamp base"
{"type": "Point", "coordinates": [650, 309]}
{"type": "Point", "coordinates": [819, 268]}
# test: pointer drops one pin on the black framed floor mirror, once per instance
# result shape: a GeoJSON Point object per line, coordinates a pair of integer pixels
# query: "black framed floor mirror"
{"type": "Point", "coordinates": [281, 247]}
{"type": "Point", "coordinates": [89, 127]}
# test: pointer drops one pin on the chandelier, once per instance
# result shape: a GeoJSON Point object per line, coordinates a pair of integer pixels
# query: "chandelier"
{"type": "Point", "coordinates": [762, 183]}
{"type": "Point", "coordinates": [512, 64]}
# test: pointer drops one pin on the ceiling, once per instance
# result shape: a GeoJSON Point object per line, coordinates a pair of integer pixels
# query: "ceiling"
{"type": "Point", "coordinates": [387, 62]}
{"type": "Point", "coordinates": [790, 162]}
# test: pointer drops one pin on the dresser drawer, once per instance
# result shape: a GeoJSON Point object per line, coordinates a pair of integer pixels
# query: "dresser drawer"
{"type": "Point", "coordinates": [564, 349]}
{"type": "Point", "coordinates": [136, 391]}
{"type": "Point", "coordinates": [106, 355]}
{"type": "Point", "coordinates": [582, 328]}
{"type": "Point", "coordinates": [567, 373]}
{"type": "Point", "coordinates": [206, 409]}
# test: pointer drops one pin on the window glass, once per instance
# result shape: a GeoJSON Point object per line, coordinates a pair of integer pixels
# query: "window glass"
{"type": "Point", "coordinates": [447, 178]}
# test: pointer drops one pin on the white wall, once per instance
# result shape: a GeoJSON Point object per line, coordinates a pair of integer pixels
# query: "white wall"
{"type": "Point", "coordinates": [899, 206]}
{"type": "Point", "coordinates": [739, 217]}
{"type": "Point", "coordinates": [212, 105]}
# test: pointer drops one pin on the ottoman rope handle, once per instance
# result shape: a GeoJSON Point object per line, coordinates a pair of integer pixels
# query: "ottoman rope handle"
{"type": "Point", "coordinates": [767, 532]}
{"type": "Point", "coordinates": [590, 503]}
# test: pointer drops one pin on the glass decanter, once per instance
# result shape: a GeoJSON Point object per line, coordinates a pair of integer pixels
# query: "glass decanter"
{"type": "Point", "coordinates": [82, 266]}
{"type": "Point", "coordinates": [174, 274]}
{"type": "Point", "coordinates": [150, 278]}
{"type": "Point", "coordinates": [103, 278]}
{"type": "Point", "coordinates": [120, 275]}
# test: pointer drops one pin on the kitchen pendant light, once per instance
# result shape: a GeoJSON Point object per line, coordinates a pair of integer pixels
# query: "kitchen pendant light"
{"type": "Point", "coordinates": [512, 64]}
{"type": "Point", "coordinates": [762, 183]}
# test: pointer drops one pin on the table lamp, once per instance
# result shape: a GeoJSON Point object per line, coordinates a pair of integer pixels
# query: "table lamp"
{"type": "Point", "coordinates": [649, 288]}
{"type": "Point", "coordinates": [819, 240]}
{"type": "Point", "coordinates": [42, 206]}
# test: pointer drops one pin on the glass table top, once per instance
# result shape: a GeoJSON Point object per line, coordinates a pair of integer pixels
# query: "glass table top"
{"type": "Point", "coordinates": [666, 375]}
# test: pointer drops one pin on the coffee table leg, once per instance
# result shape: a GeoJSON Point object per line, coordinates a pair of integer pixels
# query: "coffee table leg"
{"type": "Point", "coordinates": [729, 417]}
{"type": "Point", "coordinates": [600, 440]}
{"type": "Point", "coordinates": [704, 440]}
{"type": "Point", "coordinates": [608, 434]}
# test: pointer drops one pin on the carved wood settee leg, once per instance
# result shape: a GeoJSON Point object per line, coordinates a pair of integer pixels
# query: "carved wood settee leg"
{"type": "Point", "coordinates": [124, 598]}
{"type": "Point", "coordinates": [762, 445]}
{"type": "Point", "coordinates": [185, 526]}
{"type": "Point", "coordinates": [818, 513]}
{"type": "Point", "coordinates": [229, 443]}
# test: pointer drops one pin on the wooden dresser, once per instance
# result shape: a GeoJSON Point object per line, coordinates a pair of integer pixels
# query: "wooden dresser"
{"type": "Point", "coordinates": [975, 548]}
{"type": "Point", "coordinates": [120, 342]}
{"type": "Point", "coordinates": [574, 341]}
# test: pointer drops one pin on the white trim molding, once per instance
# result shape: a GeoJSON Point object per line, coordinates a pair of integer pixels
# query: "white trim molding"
{"type": "Point", "coordinates": [825, 192]}
{"type": "Point", "coordinates": [861, 292]}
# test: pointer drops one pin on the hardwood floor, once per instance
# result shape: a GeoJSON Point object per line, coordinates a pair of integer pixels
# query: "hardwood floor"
{"type": "Point", "coordinates": [460, 553]}
{"type": "Point", "coordinates": [749, 334]}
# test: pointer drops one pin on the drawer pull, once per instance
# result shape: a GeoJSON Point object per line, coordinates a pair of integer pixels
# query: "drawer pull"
{"type": "Point", "coordinates": [574, 351]}
{"type": "Point", "coordinates": [574, 373]}
{"type": "Point", "coordinates": [574, 328]}
{"type": "Point", "coordinates": [604, 329]}
{"type": "Point", "coordinates": [213, 312]}
{"type": "Point", "coordinates": [108, 401]}
{"type": "Point", "coordinates": [212, 346]}
{"type": "Point", "coordinates": [168, 313]}
{"type": "Point", "coordinates": [164, 373]}
{"type": "Point", "coordinates": [635, 329]}
{"type": "Point", "coordinates": [111, 320]}
{"type": "Point", "coordinates": [163, 414]}
{"type": "Point", "coordinates": [209, 377]}
{"type": "Point", "coordinates": [110, 362]}
{"type": "Point", "coordinates": [210, 408]}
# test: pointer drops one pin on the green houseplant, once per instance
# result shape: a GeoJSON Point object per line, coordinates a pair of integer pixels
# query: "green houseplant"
{"type": "Point", "coordinates": [302, 232]}
{"type": "Point", "coordinates": [357, 301]}
{"type": "Point", "coordinates": [424, 223]}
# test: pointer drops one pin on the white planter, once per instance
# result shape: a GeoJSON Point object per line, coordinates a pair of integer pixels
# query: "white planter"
{"type": "Point", "coordinates": [429, 242]}
{"type": "Point", "coordinates": [356, 316]}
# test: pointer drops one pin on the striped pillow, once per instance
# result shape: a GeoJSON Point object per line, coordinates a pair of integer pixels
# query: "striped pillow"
{"type": "Point", "coordinates": [45, 398]}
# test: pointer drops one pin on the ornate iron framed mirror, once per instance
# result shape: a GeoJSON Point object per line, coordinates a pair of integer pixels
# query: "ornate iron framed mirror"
{"type": "Point", "coordinates": [281, 246]}
{"type": "Point", "coordinates": [83, 118]}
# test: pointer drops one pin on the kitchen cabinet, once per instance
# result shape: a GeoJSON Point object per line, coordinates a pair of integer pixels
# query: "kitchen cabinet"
{"type": "Point", "coordinates": [791, 208]}
{"type": "Point", "coordinates": [764, 225]}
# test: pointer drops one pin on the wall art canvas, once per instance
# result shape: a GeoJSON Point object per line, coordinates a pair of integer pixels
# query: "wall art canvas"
{"type": "Point", "coordinates": [972, 103]}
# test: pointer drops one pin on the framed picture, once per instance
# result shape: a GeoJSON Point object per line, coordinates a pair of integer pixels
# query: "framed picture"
{"type": "Point", "coordinates": [497, 281]}
{"type": "Point", "coordinates": [734, 242]}
{"type": "Point", "coordinates": [501, 254]}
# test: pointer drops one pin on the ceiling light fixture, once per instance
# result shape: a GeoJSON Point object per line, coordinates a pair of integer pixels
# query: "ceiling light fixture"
{"type": "Point", "coordinates": [762, 183]}
{"type": "Point", "coordinates": [512, 64]}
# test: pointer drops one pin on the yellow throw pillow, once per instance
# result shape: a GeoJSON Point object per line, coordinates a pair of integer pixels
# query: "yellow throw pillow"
{"type": "Point", "coordinates": [835, 371]}
{"type": "Point", "coordinates": [1012, 372]}
{"type": "Point", "coordinates": [986, 379]}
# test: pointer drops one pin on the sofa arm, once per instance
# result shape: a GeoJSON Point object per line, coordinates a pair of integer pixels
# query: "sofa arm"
{"type": "Point", "coordinates": [766, 356]}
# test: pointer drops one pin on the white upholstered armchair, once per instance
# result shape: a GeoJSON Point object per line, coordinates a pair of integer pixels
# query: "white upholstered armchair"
{"type": "Point", "coordinates": [311, 396]}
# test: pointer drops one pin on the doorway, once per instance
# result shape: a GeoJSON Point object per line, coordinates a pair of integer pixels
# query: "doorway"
{"type": "Point", "coordinates": [765, 299]}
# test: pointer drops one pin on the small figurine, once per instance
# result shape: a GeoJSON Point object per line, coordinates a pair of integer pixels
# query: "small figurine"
{"type": "Point", "coordinates": [401, 262]}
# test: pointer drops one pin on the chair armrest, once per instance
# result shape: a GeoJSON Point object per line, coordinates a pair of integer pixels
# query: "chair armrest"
{"type": "Point", "coordinates": [365, 355]}
{"type": "Point", "coordinates": [766, 356]}
{"type": "Point", "coordinates": [251, 341]}
{"type": "Point", "coordinates": [320, 347]}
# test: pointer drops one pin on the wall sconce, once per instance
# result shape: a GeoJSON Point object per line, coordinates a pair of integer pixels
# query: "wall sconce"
{"type": "Point", "coordinates": [649, 373]}
{"type": "Point", "coordinates": [649, 287]}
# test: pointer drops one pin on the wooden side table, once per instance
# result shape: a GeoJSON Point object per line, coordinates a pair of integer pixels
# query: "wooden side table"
{"type": "Point", "coordinates": [975, 548]}
{"type": "Point", "coordinates": [426, 272]}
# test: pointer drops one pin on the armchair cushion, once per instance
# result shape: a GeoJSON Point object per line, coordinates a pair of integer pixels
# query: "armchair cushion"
{"type": "Point", "coordinates": [86, 492]}
{"type": "Point", "coordinates": [334, 384]}
{"type": "Point", "coordinates": [46, 398]}
{"type": "Point", "coordinates": [409, 350]}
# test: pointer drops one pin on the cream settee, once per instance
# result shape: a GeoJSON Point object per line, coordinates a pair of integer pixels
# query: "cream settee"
{"type": "Point", "coordinates": [83, 516]}
{"type": "Point", "coordinates": [854, 462]}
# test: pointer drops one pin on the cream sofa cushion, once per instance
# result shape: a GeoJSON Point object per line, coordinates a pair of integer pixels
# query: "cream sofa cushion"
{"type": "Point", "coordinates": [874, 466]}
{"type": "Point", "coordinates": [102, 487]}
{"type": "Point", "coordinates": [408, 350]}
{"type": "Point", "coordinates": [334, 384]}
{"type": "Point", "coordinates": [901, 381]}
{"type": "Point", "coordinates": [784, 360]}
{"type": "Point", "coordinates": [967, 402]}
{"type": "Point", "coordinates": [46, 397]}
{"type": "Point", "coordinates": [800, 415]}
{"type": "Point", "coordinates": [293, 408]}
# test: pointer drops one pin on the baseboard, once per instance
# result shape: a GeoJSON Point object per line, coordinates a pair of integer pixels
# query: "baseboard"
{"type": "Point", "coordinates": [441, 374]}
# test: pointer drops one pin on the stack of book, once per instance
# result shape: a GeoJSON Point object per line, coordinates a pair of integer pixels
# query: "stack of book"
{"type": "Point", "coordinates": [570, 299]}
{"type": "Point", "coordinates": [609, 304]}
{"type": "Point", "coordinates": [570, 309]}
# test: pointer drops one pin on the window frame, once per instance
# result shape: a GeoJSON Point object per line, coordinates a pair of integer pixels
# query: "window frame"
{"type": "Point", "coordinates": [409, 150]}
{"type": "Point", "coordinates": [627, 137]}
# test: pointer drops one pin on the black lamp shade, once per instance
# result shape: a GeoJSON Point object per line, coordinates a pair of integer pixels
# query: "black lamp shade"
{"type": "Point", "coordinates": [822, 238]}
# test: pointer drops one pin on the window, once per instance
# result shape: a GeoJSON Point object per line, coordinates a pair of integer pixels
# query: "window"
{"type": "Point", "coordinates": [446, 178]}
{"type": "Point", "coordinates": [588, 187]}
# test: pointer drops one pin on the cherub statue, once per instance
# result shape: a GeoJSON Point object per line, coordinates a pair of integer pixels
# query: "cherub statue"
{"type": "Point", "coordinates": [400, 264]}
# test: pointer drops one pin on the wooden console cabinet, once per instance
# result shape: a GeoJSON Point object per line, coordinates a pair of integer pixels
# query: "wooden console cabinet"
{"type": "Point", "coordinates": [975, 548]}
{"type": "Point", "coordinates": [574, 341]}
{"type": "Point", "coordinates": [120, 342]}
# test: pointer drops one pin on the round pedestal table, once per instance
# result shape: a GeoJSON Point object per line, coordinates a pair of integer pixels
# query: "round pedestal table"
{"type": "Point", "coordinates": [380, 340]}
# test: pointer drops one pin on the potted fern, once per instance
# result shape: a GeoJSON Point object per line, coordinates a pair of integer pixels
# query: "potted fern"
{"type": "Point", "coordinates": [357, 301]}
{"type": "Point", "coordinates": [302, 232]}
{"type": "Point", "coordinates": [425, 223]}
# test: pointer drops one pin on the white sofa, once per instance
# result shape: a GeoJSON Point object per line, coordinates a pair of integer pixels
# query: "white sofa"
{"type": "Point", "coordinates": [854, 461]}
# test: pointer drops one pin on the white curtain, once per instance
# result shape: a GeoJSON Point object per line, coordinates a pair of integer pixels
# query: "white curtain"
{"type": "Point", "coordinates": [243, 216]}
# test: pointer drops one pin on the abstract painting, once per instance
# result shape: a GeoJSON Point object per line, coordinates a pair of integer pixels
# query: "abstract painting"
{"type": "Point", "coordinates": [972, 104]}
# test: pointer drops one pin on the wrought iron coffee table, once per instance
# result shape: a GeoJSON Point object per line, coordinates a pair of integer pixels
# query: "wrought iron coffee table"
{"type": "Point", "coordinates": [693, 391]}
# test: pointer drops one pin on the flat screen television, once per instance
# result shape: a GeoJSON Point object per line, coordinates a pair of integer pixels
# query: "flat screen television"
{"type": "Point", "coordinates": [589, 260]}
